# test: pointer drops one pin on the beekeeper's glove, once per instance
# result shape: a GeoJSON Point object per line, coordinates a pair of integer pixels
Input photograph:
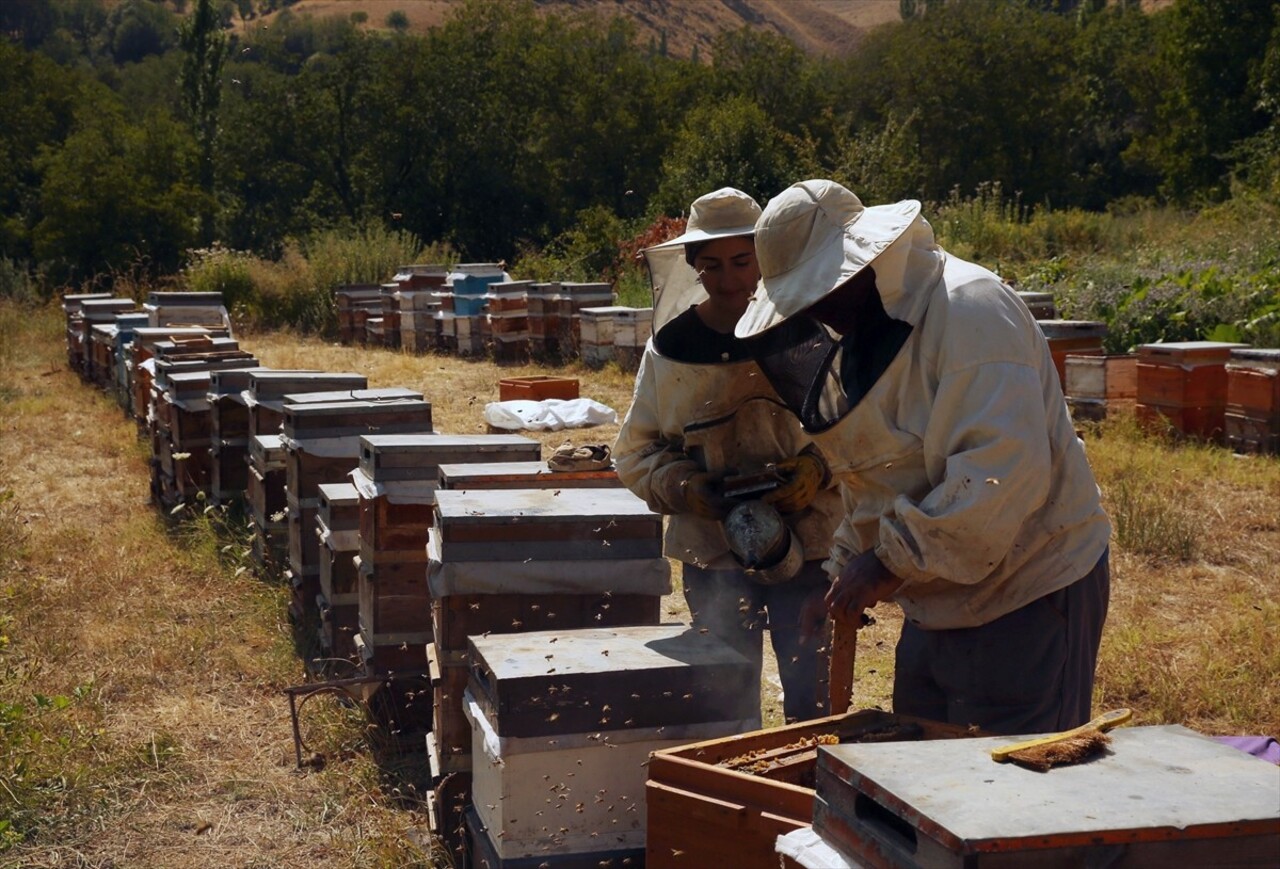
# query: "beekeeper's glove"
{"type": "Point", "coordinates": [805, 477]}
{"type": "Point", "coordinates": [704, 497]}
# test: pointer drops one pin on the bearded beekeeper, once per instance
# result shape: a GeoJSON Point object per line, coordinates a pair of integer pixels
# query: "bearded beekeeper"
{"type": "Point", "coordinates": [703, 415]}
{"type": "Point", "coordinates": [968, 500]}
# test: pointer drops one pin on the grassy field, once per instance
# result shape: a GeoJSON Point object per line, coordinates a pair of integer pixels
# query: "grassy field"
{"type": "Point", "coordinates": [142, 719]}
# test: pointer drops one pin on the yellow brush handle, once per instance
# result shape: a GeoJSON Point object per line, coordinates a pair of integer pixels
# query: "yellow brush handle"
{"type": "Point", "coordinates": [1105, 721]}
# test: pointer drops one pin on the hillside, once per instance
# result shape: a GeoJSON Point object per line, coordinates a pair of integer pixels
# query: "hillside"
{"type": "Point", "coordinates": [831, 27]}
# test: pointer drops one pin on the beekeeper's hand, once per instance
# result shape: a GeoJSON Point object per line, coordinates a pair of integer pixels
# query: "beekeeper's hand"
{"type": "Point", "coordinates": [805, 476]}
{"type": "Point", "coordinates": [704, 496]}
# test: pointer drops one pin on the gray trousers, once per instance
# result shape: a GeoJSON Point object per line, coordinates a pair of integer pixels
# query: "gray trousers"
{"type": "Point", "coordinates": [1030, 671]}
{"type": "Point", "coordinates": [737, 609]}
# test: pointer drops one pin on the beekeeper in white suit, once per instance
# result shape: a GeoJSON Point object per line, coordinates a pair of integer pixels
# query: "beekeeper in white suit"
{"type": "Point", "coordinates": [702, 411]}
{"type": "Point", "coordinates": [968, 499]}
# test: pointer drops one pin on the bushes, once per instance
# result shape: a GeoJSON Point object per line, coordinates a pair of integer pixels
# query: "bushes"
{"type": "Point", "coordinates": [296, 290]}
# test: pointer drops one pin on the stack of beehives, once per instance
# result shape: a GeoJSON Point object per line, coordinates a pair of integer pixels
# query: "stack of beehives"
{"type": "Point", "coordinates": [1252, 418]}
{"type": "Point", "coordinates": [614, 334]}
{"type": "Point", "coordinates": [355, 302]}
{"type": "Point", "coordinates": [1182, 387]}
{"type": "Point", "coordinates": [178, 413]}
{"type": "Point", "coordinates": [91, 312]}
{"type": "Point", "coordinates": [554, 315]}
{"type": "Point", "coordinates": [562, 554]}
{"type": "Point", "coordinates": [417, 303]}
{"type": "Point", "coordinates": [264, 400]}
{"type": "Point", "coordinates": [320, 435]}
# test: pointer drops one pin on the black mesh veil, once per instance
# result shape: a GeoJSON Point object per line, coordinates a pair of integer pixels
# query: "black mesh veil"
{"type": "Point", "coordinates": [801, 359]}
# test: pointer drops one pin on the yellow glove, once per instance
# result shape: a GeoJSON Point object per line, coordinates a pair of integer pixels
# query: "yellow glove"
{"type": "Point", "coordinates": [805, 476]}
{"type": "Point", "coordinates": [703, 497]}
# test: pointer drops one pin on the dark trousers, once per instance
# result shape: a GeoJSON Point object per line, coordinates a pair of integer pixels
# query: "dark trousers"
{"type": "Point", "coordinates": [1030, 671]}
{"type": "Point", "coordinates": [737, 609]}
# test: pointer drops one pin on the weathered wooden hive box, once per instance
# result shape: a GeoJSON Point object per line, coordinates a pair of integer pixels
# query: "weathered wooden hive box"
{"type": "Point", "coordinates": [91, 313]}
{"type": "Point", "coordinates": [265, 496]}
{"type": "Point", "coordinates": [229, 433]}
{"type": "Point", "coordinates": [353, 302]}
{"type": "Point", "coordinates": [389, 315]}
{"type": "Point", "coordinates": [178, 414]}
{"type": "Point", "coordinates": [139, 367]}
{"type": "Point", "coordinates": [523, 475]}
{"type": "Point", "coordinates": [397, 479]}
{"type": "Point", "coordinates": [1159, 796]}
{"type": "Point", "coordinates": [322, 445]}
{"type": "Point", "coordinates": [632, 329]}
{"type": "Point", "coordinates": [1078, 337]}
{"type": "Point", "coordinates": [186, 309]}
{"type": "Point", "coordinates": [71, 311]}
{"type": "Point", "coordinates": [554, 314]}
{"type": "Point", "coordinates": [1252, 418]}
{"type": "Point", "coordinates": [103, 342]}
{"type": "Point", "coordinates": [121, 354]}
{"type": "Point", "coordinates": [1183, 386]}
{"type": "Point", "coordinates": [725, 801]}
{"type": "Point", "coordinates": [1094, 383]}
{"type": "Point", "coordinates": [540, 525]}
{"type": "Point", "coordinates": [530, 573]}
{"type": "Point", "coordinates": [265, 395]}
{"type": "Point", "coordinates": [563, 723]}
{"type": "Point", "coordinates": [596, 333]}
{"type": "Point", "coordinates": [1041, 305]}
{"type": "Point", "coordinates": [338, 530]}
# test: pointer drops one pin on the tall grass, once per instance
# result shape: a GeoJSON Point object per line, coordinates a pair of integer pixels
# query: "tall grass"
{"type": "Point", "coordinates": [295, 290]}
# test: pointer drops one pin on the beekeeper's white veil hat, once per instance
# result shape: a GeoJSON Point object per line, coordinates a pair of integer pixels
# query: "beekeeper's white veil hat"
{"type": "Point", "coordinates": [723, 213]}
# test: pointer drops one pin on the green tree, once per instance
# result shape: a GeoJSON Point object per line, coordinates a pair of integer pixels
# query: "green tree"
{"type": "Point", "coordinates": [137, 28]}
{"type": "Point", "coordinates": [1214, 51]}
{"type": "Point", "coordinates": [116, 196]}
{"type": "Point", "coordinates": [991, 85]}
{"type": "Point", "coordinates": [37, 101]}
{"type": "Point", "coordinates": [729, 143]}
{"type": "Point", "coordinates": [205, 47]}
{"type": "Point", "coordinates": [398, 21]}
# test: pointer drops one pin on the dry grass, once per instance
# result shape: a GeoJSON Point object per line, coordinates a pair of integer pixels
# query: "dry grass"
{"type": "Point", "coordinates": [141, 716]}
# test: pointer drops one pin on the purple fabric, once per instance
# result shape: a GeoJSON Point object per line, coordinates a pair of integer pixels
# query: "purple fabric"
{"type": "Point", "coordinates": [1264, 747]}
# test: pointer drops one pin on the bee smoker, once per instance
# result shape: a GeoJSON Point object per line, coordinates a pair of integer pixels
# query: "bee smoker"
{"type": "Point", "coordinates": [757, 535]}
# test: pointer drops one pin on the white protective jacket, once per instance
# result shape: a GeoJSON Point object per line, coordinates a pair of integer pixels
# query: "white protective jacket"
{"type": "Point", "coordinates": [961, 466]}
{"type": "Point", "coordinates": [687, 417]}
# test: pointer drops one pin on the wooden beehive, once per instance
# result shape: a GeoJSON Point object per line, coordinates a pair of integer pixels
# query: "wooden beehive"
{"type": "Point", "coordinates": [725, 801]}
{"type": "Point", "coordinates": [353, 302]}
{"type": "Point", "coordinates": [537, 387]}
{"type": "Point", "coordinates": [1159, 796]}
{"type": "Point", "coordinates": [1183, 386]}
{"type": "Point", "coordinates": [1076, 337]}
{"type": "Point", "coordinates": [1252, 416]}
{"type": "Point", "coordinates": [338, 531]}
{"type": "Point", "coordinates": [580, 712]}
{"type": "Point", "coordinates": [523, 475]}
{"type": "Point", "coordinates": [265, 394]}
{"type": "Point", "coordinates": [265, 498]}
{"type": "Point", "coordinates": [1095, 384]}
{"type": "Point", "coordinates": [1041, 305]}
{"type": "Point", "coordinates": [538, 524]}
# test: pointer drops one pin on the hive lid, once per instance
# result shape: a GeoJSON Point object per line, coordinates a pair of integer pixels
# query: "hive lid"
{"type": "Point", "coordinates": [1072, 328]}
{"type": "Point", "coordinates": [1165, 780]}
{"type": "Point", "coordinates": [1189, 351]}
{"type": "Point", "coordinates": [418, 456]}
{"type": "Point", "coordinates": [549, 682]}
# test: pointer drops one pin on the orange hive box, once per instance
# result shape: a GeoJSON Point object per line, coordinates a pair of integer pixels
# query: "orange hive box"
{"type": "Point", "coordinates": [1077, 337]}
{"type": "Point", "coordinates": [1183, 385]}
{"type": "Point", "coordinates": [1252, 418]}
{"type": "Point", "coordinates": [537, 387]}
